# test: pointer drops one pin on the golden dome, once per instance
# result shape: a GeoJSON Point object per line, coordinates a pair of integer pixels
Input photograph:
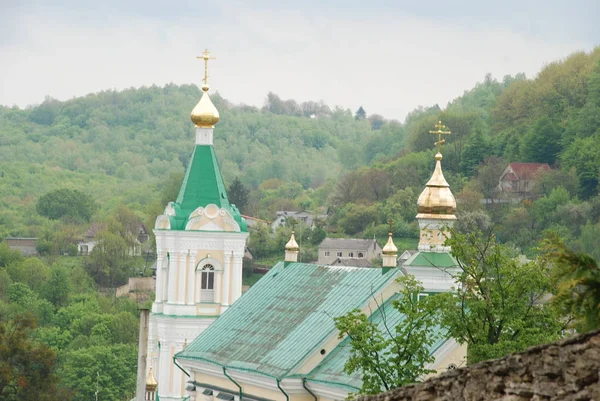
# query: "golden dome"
{"type": "Point", "coordinates": [151, 382]}
{"type": "Point", "coordinates": [390, 248]}
{"type": "Point", "coordinates": [205, 114]}
{"type": "Point", "coordinates": [292, 245]}
{"type": "Point", "coordinates": [437, 199]}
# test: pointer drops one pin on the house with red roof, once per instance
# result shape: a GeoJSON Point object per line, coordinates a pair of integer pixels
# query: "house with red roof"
{"type": "Point", "coordinates": [517, 178]}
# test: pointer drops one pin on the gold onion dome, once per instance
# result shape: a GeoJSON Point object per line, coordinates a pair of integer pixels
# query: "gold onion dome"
{"type": "Point", "coordinates": [390, 248]}
{"type": "Point", "coordinates": [151, 382]}
{"type": "Point", "coordinates": [436, 198]}
{"type": "Point", "coordinates": [205, 114]}
{"type": "Point", "coordinates": [292, 245]}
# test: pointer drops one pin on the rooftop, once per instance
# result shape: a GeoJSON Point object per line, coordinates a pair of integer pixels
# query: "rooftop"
{"type": "Point", "coordinates": [347, 243]}
{"type": "Point", "coordinates": [432, 259]}
{"type": "Point", "coordinates": [331, 370]}
{"type": "Point", "coordinates": [285, 317]}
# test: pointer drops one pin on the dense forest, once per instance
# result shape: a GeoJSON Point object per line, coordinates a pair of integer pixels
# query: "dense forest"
{"type": "Point", "coordinates": [118, 158]}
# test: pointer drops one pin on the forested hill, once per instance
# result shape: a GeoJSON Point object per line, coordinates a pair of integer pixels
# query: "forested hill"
{"type": "Point", "coordinates": [125, 147]}
{"type": "Point", "coordinates": [553, 118]}
{"type": "Point", "coordinates": [118, 146]}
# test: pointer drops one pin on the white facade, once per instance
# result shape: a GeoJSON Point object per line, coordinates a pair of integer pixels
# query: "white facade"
{"type": "Point", "coordinates": [198, 276]}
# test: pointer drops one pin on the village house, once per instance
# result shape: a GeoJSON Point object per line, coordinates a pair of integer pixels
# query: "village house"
{"type": "Point", "coordinates": [90, 239]}
{"type": "Point", "coordinates": [517, 179]}
{"type": "Point", "coordinates": [305, 217]}
{"type": "Point", "coordinates": [333, 248]}
{"type": "Point", "coordinates": [27, 246]}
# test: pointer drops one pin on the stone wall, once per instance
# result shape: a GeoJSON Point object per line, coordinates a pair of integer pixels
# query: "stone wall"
{"type": "Point", "coordinates": [566, 370]}
{"type": "Point", "coordinates": [136, 284]}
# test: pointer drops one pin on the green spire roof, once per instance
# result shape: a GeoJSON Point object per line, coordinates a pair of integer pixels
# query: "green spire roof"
{"type": "Point", "coordinates": [201, 186]}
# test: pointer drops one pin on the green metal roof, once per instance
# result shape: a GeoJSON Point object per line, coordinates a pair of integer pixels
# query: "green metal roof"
{"type": "Point", "coordinates": [331, 370]}
{"type": "Point", "coordinates": [432, 259]}
{"type": "Point", "coordinates": [201, 186]}
{"type": "Point", "coordinates": [285, 316]}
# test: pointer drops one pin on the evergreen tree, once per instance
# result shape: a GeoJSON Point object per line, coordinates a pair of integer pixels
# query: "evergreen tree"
{"type": "Point", "coordinates": [542, 142]}
{"type": "Point", "coordinates": [360, 114]}
{"type": "Point", "coordinates": [238, 194]}
{"type": "Point", "coordinates": [475, 150]}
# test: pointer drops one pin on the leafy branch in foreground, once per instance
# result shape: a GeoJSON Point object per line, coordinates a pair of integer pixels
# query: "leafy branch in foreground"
{"type": "Point", "coordinates": [392, 347]}
{"type": "Point", "coordinates": [577, 283]}
{"type": "Point", "coordinates": [499, 305]}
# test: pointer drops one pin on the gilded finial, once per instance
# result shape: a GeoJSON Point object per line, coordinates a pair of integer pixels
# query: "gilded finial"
{"type": "Point", "coordinates": [205, 114]}
{"type": "Point", "coordinates": [205, 56]}
{"type": "Point", "coordinates": [440, 130]}
{"type": "Point", "coordinates": [390, 249]}
{"type": "Point", "coordinates": [292, 245]}
{"type": "Point", "coordinates": [151, 382]}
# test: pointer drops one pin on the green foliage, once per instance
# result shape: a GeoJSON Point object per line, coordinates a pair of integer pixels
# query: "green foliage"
{"type": "Point", "coordinates": [27, 369]}
{"type": "Point", "coordinates": [66, 202]}
{"type": "Point", "coordinates": [23, 300]}
{"type": "Point", "coordinates": [542, 143]}
{"type": "Point", "coordinates": [583, 155]}
{"type": "Point", "coordinates": [577, 285]}
{"type": "Point", "coordinates": [496, 308]}
{"type": "Point", "coordinates": [9, 256]}
{"type": "Point", "coordinates": [389, 357]}
{"type": "Point", "coordinates": [473, 153]}
{"type": "Point", "coordinates": [112, 367]}
{"type": "Point", "coordinates": [31, 271]}
{"type": "Point", "coordinates": [57, 288]}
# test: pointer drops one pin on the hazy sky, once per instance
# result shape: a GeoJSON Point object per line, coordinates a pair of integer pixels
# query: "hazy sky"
{"type": "Point", "coordinates": [389, 56]}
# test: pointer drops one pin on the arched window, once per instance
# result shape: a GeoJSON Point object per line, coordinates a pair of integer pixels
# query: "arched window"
{"type": "Point", "coordinates": [208, 277]}
{"type": "Point", "coordinates": [207, 287]}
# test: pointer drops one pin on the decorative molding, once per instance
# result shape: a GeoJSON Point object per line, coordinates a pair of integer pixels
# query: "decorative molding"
{"type": "Point", "coordinates": [169, 210]}
{"type": "Point", "coordinates": [162, 223]}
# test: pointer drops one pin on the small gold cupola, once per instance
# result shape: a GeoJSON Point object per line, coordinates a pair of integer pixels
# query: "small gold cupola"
{"type": "Point", "coordinates": [151, 385]}
{"type": "Point", "coordinates": [390, 251]}
{"type": "Point", "coordinates": [292, 249]}
{"type": "Point", "coordinates": [437, 199]}
{"type": "Point", "coordinates": [205, 114]}
{"type": "Point", "coordinates": [436, 204]}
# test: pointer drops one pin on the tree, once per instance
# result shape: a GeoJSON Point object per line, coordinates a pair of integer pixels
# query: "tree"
{"type": "Point", "coordinates": [26, 368]}
{"type": "Point", "coordinates": [577, 278]}
{"type": "Point", "coordinates": [113, 259]}
{"type": "Point", "coordinates": [57, 288]}
{"type": "Point", "coordinates": [66, 202]}
{"type": "Point", "coordinates": [584, 156]}
{"type": "Point", "coordinates": [473, 153]}
{"type": "Point", "coordinates": [488, 175]}
{"type": "Point", "coordinates": [360, 114]}
{"type": "Point", "coordinates": [542, 143]}
{"type": "Point", "coordinates": [390, 357]}
{"type": "Point", "coordinates": [497, 307]}
{"type": "Point", "coordinates": [238, 194]}
{"type": "Point", "coordinates": [113, 367]}
{"type": "Point", "coordinates": [377, 121]}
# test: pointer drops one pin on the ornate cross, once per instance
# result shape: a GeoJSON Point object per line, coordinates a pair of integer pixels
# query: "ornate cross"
{"type": "Point", "coordinates": [391, 223]}
{"type": "Point", "coordinates": [206, 56]}
{"type": "Point", "coordinates": [441, 130]}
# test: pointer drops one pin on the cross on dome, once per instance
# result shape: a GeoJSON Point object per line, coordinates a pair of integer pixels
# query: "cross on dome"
{"type": "Point", "coordinates": [205, 56]}
{"type": "Point", "coordinates": [441, 130]}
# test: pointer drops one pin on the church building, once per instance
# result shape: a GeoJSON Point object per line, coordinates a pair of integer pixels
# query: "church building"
{"type": "Point", "coordinates": [278, 341]}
